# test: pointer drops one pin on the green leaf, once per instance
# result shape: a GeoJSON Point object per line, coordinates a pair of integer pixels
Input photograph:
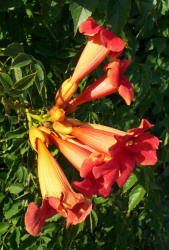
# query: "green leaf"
{"type": "Point", "coordinates": [130, 182]}
{"type": "Point", "coordinates": [16, 188]}
{"type": "Point", "coordinates": [80, 227]}
{"type": "Point", "coordinates": [13, 49]}
{"type": "Point", "coordinates": [118, 15]}
{"type": "Point", "coordinates": [21, 60]}
{"type": "Point", "coordinates": [4, 227]}
{"type": "Point", "coordinates": [15, 134]}
{"type": "Point", "coordinates": [5, 80]}
{"type": "Point", "coordinates": [93, 220]}
{"type": "Point", "coordinates": [2, 118]}
{"type": "Point", "coordinates": [12, 211]}
{"type": "Point", "coordinates": [79, 14]}
{"type": "Point", "coordinates": [25, 82]}
{"type": "Point", "coordinates": [99, 200]}
{"type": "Point", "coordinates": [135, 196]}
{"type": "Point", "coordinates": [2, 196]}
{"type": "Point", "coordinates": [18, 74]}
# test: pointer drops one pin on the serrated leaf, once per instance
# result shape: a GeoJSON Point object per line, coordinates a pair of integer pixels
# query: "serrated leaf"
{"type": "Point", "coordinates": [4, 227]}
{"type": "Point", "coordinates": [118, 15]}
{"type": "Point", "coordinates": [25, 82]}
{"type": "Point", "coordinates": [135, 196]}
{"type": "Point", "coordinates": [130, 182]}
{"type": "Point", "coordinates": [15, 188]}
{"type": "Point", "coordinates": [79, 14]}
{"type": "Point", "coordinates": [21, 60]}
{"type": "Point", "coordinates": [5, 81]}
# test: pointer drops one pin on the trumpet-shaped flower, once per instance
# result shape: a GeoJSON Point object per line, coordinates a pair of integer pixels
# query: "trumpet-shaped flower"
{"type": "Point", "coordinates": [101, 44]}
{"type": "Point", "coordinates": [134, 147]}
{"type": "Point", "coordinates": [86, 162]}
{"type": "Point", "coordinates": [57, 194]}
{"type": "Point", "coordinates": [112, 81]}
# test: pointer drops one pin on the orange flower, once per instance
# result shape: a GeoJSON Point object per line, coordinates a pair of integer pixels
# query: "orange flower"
{"type": "Point", "coordinates": [86, 162]}
{"type": "Point", "coordinates": [113, 81]}
{"type": "Point", "coordinates": [101, 44]}
{"type": "Point", "coordinates": [57, 194]}
{"type": "Point", "coordinates": [135, 147]}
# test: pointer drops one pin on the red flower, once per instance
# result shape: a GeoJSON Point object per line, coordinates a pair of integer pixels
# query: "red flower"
{"type": "Point", "coordinates": [101, 43]}
{"type": "Point", "coordinates": [113, 81]}
{"type": "Point", "coordinates": [127, 149]}
{"type": "Point", "coordinates": [57, 194]}
{"type": "Point", "coordinates": [86, 162]}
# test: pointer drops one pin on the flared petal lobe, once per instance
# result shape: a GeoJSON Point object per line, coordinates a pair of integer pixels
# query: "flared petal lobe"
{"type": "Point", "coordinates": [126, 90]}
{"type": "Point", "coordinates": [126, 148]}
{"type": "Point", "coordinates": [57, 194]}
{"type": "Point", "coordinates": [87, 163]}
{"type": "Point", "coordinates": [101, 43]}
{"type": "Point", "coordinates": [113, 81]}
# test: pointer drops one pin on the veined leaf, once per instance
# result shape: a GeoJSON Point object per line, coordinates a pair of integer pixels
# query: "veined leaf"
{"type": "Point", "coordinates": [135, 196]}
{"type": "Point", "coordinates": [4, 227]}
{"type": "Point", "coordinates": [21, 60]}
{"type": "Point", "coordinates": [5, 81]}
{"type": "Point", "coordinates": [15, 188]}
{"type": "Point", "coordinates": [79, 14]}
{"type": "Point", "coordinates": [130, 182]}
{"type": "Point", "coordinates": [12, 211]}
{"type": "Point", "coordinates": [18, 74]}
{"type": "Point", "coordinates": [25, 82]}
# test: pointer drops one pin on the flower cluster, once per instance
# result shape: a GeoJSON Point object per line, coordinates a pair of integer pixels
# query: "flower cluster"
{"type": "Point", "coordinates": [102, 155]}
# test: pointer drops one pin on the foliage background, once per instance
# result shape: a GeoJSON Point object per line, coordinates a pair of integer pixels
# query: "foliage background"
{"type": "Point", "coordinates": [39, 49]}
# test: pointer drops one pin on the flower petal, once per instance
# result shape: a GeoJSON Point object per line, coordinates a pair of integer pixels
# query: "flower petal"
{"type": "Point", "coordinates": [144, 147]}
{"type": "Point", "coordinates": [144, 125]}
{"type": "Point", "coordinates": [35, 217]}
{"type": "Point", "coordinates": [111, 41]}
{"type": "Point", "coordinates": [124, 65]}
{"type": "Point", "coordinates": [126, 163]}
{"type": "Point", "coordinates": [94, 159]}
{"type": "Point", "coordinates": [92, 55]}
{"type": "Point", "coordinates": [100, 140]}
{"type": "Point", "coordinates": [86, 187]}
{"type": "Point", "coordinates": [78, 213]}
{"type": "Point", "coordinates": [90, 27]}
{"type": "Point", "coordinates": [126, 90]}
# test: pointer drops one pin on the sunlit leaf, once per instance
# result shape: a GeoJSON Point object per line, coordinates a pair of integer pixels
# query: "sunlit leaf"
{"type": "Point", "coordinates": [135, 196]}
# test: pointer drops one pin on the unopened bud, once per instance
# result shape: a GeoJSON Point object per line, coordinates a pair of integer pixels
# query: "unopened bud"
{"type": "Point", "coordinates": [57, 114]}
{"type": "Point", "coordinates": [65, 93]}
{"type": "Point", "coordinates": [62, 127]}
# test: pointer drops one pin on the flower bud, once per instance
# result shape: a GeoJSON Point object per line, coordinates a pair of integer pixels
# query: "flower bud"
{"type": "Point", "coordinates": [57, 114]}
{"type": "Point", "coordinates": [62, 127]}
{"type": "Point", "coordinates": [66, 91]}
